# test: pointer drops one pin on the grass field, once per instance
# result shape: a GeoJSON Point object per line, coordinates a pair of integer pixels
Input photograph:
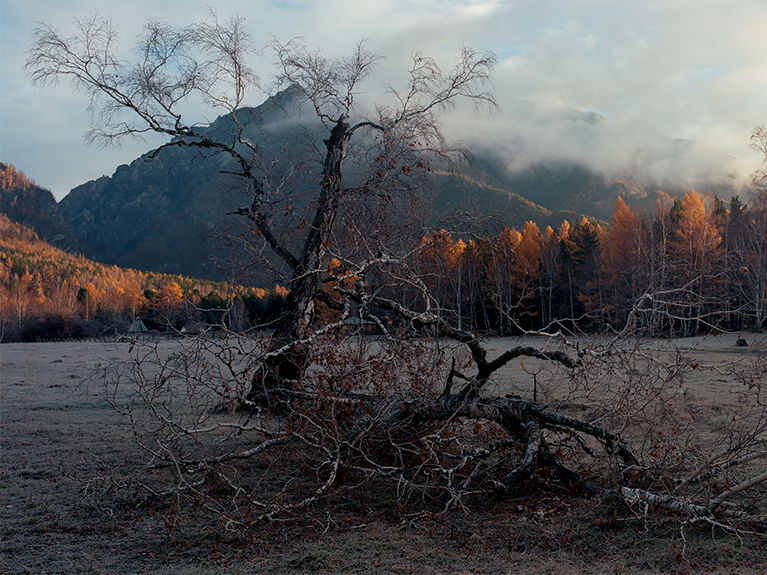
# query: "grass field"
{"type": "Point", "coordinates": [61, 441]}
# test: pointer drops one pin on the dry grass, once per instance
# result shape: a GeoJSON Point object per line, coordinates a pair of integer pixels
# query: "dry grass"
{"type": "Point", "coordinates": [58, 437]}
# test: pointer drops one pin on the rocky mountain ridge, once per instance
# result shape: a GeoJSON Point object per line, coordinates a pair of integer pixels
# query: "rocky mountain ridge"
{"type": "Point", "coordinates": [170, 211]}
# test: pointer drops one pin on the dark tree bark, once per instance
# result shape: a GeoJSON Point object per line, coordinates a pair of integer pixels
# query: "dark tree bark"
{"type": "Point", "coordinates": [209, 60]}
{"type": "Point", "coordinates": [286, 358]}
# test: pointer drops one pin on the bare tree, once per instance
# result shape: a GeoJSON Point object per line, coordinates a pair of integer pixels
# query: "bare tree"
{"type": "Point", "coordinates": [209, 61]}
{"type": "Point", "coordinates": [407, 418]}
{"type": "Point", "coordinates": [417, 415]}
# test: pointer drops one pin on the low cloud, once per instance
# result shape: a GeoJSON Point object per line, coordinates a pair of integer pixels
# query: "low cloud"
{"type": "Point", "coordinates": [523, 133]}
{"type": "Point", "coordinates": [668, 92]}
{"type": "Point", "coordinates": [677, 86]}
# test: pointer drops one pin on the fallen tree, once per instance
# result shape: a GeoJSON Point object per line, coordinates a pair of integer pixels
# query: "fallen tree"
{"type": "Point", "coordinates": [252, 428]}
{"type": "Point", "coordinates": [399, 419]}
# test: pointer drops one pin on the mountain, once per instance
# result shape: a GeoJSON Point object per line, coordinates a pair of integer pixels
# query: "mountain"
{"type": "Point", "coordinates": [461, 195]}
{"type": "Point", "coordinates": [563, 158]}
{"type": "Point", "coordinates": [556, 187]}
{"type": "Point", "coordinates": [24, 202]}
{"type": "Point", "coordinates": [169, 210]}
{"type": "Point", "coordinates": [49, 293]}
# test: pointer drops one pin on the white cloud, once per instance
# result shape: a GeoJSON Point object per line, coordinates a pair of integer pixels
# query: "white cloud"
{"type": "Point", "coordinates": [690, 69]}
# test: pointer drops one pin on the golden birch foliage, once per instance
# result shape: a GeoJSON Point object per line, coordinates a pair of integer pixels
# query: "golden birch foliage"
{"type": "Point", "coordinates": [440, 252]}
{"type": "Point", "coordinates": [622, 243]}
{"type": "Point", "coordinates": [504, 255]}
{"type": "Point", "coordinates": [528, 261]}
{"type": "Point", "coordinates": [460, 247]}
{"type": "Point", "coordinates": [696, 238]}
{"type": "Point", "coordinates": [281, 291]}
{"type": "Point", "coordinates": [171, 295]}
{"type": "Point", "coordinates": [508, 240]}
{"type": "Point", "coordinates": [549, 250]}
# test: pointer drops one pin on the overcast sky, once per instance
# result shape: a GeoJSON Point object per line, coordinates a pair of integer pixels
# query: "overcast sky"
{"type": "Point", "coordinates": [689, 69]}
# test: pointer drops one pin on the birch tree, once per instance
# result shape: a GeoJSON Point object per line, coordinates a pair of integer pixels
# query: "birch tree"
{"type": "Point", "coordinates": [210, 61]}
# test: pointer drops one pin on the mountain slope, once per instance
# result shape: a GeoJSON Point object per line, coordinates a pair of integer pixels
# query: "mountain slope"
{"type": "Point", "coordinates": [461, 195]}
{"type": "Point", "coordinates": [168, 212]}
{"type": "Point", "coordinates": [23, 201]}
{"type": "Point", "coordinates": [47, 292]}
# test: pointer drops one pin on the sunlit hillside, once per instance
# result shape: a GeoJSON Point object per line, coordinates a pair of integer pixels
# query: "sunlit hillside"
{"type": "Point", "coordinates": [46, 292]}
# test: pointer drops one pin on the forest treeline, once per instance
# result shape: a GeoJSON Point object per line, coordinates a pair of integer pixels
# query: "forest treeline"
{"type": "Point", "coordinates": [47, 293]}
{"type": "Point", "coordinates": [697, 263]}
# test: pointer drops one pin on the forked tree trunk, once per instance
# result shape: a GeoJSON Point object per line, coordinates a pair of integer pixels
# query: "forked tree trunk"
{"type": "Point", "coordinates": [286, 358]}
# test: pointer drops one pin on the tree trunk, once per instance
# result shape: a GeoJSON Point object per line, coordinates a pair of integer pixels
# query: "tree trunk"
{"type": "Point", "coordinates": [286, 358]}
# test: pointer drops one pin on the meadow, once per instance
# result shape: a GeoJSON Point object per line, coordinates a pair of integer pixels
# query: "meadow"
{"type": "Point", "coordinates": [64, 450]}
